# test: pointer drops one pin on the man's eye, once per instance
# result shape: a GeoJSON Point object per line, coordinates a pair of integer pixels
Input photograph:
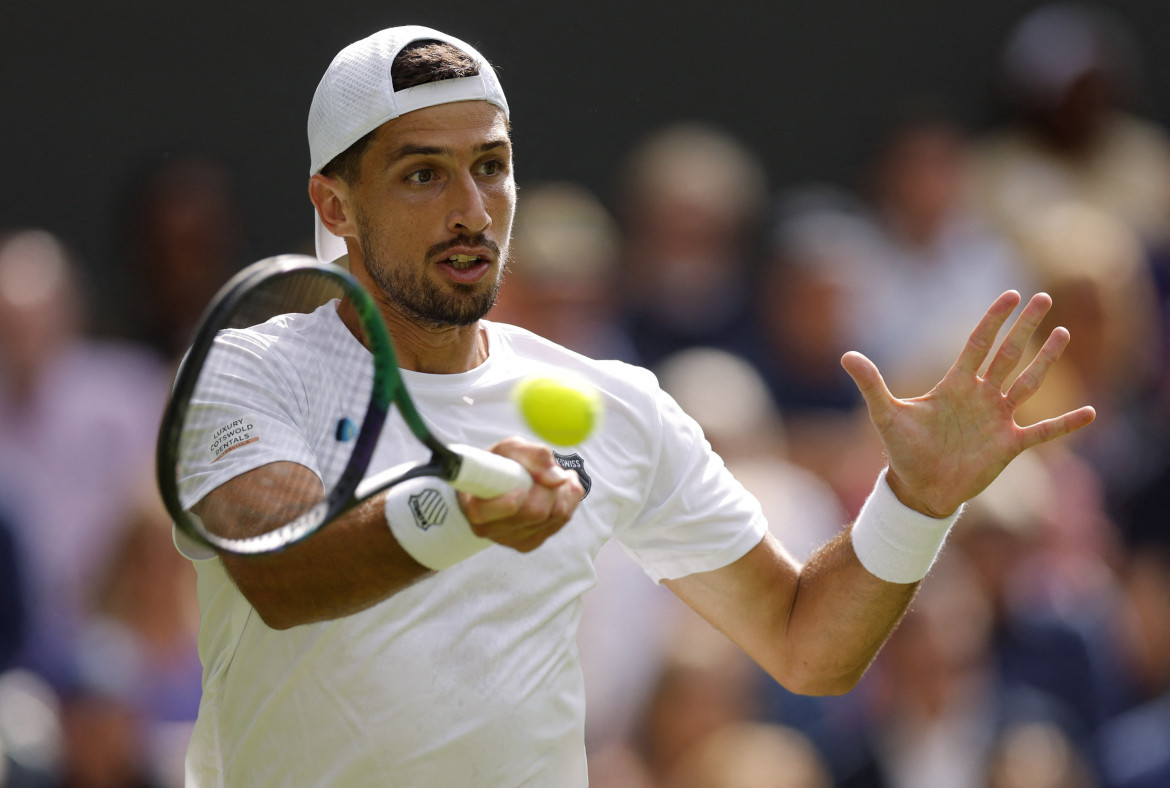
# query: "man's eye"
{"type": "Point", "coordinates": [492, 167]}
{"type": "Point", "coordinates": [421, 176]}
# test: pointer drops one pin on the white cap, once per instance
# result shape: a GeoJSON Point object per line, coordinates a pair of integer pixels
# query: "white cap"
{"type": "Point", "coordinates": [357, 95]}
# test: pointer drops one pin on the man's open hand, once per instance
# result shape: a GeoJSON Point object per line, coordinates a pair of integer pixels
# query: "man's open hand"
{"type": "Point", "coordinates": [945, 447]}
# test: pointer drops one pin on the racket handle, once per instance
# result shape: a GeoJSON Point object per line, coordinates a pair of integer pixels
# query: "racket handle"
{"type": "Point", "coordinates": [487, 475]}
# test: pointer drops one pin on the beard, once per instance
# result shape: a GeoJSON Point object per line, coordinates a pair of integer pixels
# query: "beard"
{"type": "Point", "coordinates": [417, 297]}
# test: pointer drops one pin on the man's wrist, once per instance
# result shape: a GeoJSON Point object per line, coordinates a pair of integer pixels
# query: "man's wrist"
{"type": "Point", "coordinates": [425, 517]}
{"type": "Point", "coordinates": [911, 501]}
{"type": "Point", "coordinates": [895, 542]}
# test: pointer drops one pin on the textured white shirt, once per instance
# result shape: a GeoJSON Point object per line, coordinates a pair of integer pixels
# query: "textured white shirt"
{"type": "Point", "coordinates": [470, 676]}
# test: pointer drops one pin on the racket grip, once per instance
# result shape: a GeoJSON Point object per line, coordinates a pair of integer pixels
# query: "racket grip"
{"type": "Point", "coordinates": [487, 475]}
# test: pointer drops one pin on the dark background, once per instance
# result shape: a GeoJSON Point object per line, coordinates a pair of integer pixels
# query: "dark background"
{"type": "Point", "coordinates": [89, 91]}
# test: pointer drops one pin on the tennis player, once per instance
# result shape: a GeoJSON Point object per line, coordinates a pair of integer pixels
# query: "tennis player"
{"type": "Point", "coordinates": [376, 653]}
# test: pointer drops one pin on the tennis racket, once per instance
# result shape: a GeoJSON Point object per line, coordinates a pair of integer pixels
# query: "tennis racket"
{"type": "Point", "coordinates": [254, 314]}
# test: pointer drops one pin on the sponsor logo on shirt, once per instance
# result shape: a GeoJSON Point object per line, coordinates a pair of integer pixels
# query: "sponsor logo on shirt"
{"type": "Point", "coordinates": [575, 462]}
{"type": "Point", "coordinates": [346, 429]}
{"type": "Point", "coordinates": [232, 435]}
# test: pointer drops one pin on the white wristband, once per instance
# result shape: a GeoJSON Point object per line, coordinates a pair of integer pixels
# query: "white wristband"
{"type": "Point", "coordinates": [893, 541]}
{"type": "Point", "coordinates": [425, 518]}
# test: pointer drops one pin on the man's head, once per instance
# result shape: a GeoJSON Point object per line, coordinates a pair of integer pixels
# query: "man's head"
{"type": "Point", "coordinates": [411, 162]}
{"type": "Point", "coordinates": [418, 63]}
{"type": "Point", "coordinates": [382, 77]}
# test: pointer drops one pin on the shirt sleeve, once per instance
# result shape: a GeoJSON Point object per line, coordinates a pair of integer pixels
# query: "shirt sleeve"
{"type": "Point", "coordinates": [248, 415]}
{"type": "Point", "coordinates": [696, 516]}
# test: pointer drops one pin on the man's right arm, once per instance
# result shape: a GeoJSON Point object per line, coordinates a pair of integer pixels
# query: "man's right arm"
{"type": "Point", "coordinates": [355, 562]}
{"type": "Point", "coordinates": [350, 564]}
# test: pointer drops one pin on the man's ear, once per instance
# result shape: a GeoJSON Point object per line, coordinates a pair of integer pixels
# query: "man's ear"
{"type": "Point", "coordinates": [329, 196]}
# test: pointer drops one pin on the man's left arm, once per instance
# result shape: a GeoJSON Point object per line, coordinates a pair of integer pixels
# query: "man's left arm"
{"type": "Point", "coordinates": [816, 628]}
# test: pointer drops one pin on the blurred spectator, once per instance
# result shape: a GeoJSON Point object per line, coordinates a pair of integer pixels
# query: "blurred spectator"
{"type": "Point", "coordinates": [1092, 265]}
{"type": "Point", "coordinates": [31, 735]}
{"type": "Point", "coordinates": [14, 622]}
{"type": "Point", "coordinates": [807, 306]}
{"type": "Point", "coordinates": [180, 237]}
{"type": "Point", "coordinates": [139, 648]}
{"type": "Point", "coordinates": [1016, 537]}
{"type": "Point", "coordinates": [935, 264]}
{"type": "Point", "coordinates": [1069, 79]}
{"type": "Point", "coordinates": [705, 685]}
{"type": "Point", "coordinates": [753, 755]}
{"type": "Point", "coordinates": [1141, 515]}
{"type": "Point", "coordinates": [1102, 289]}
{"type": "Point", "coordinates": [103, 742]}
{"type": "Point", "coordinates": [1075, 153]}
{"type": "Point", "coordinates": [562, 275]}
{"type": "Point", "coordinates": [1135, 746]}
{"type": "Point", "coordinates": [938, 705]}
{"type": "Point", "coordinates": [627, 623]}
{"type": "Point", "coordinates": [691, 206]}
{"type": "Point", "coordinates": [808, 298]}
{"type": "Point", "coordinates": [1037, 755]}
{"type": "Point", "coordinates": [78, 420]}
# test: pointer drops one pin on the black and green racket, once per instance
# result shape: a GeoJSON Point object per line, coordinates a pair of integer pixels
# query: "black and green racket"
{"type": "Point", "coordinates": [274, 290]}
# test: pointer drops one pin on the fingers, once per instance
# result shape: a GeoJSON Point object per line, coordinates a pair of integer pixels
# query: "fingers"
{"type": "Point", "coordinates": [526, 525]}
{"type": "Point", "coordinates": [524, 520]}
{"type": "Point", "coordinates": [1032, 377]}
{"type": "Point", "coordinates": [1051, 429]}
{"type": "Point", "coordinates": [1030, 380]}
{"type": "Point", "coordinates": [1012, 349]}
{"type": "Point", "coordinates": [982, 339]}
{"type": "Point", "coordinates": [868, 379]}
{"type": "Point", "coordinates": [537, 458]}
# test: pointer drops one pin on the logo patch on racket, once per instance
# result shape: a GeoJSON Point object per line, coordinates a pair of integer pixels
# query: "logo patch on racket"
{"type": "Point", "coordinates": [428, 508]}
{"type": "Point", "coordinates": [575, 462]}
{"type": "Point", "coordinates": [233, 435]}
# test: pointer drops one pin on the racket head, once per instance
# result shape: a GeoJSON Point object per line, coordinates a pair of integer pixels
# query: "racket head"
{"type": "Point", "coordinates": [275, 289]}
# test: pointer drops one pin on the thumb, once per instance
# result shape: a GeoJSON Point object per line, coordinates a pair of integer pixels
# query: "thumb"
{"type": "Point", "coordinates": [869, 382]}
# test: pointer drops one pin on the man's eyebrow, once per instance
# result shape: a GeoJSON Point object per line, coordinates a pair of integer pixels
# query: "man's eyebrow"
{"type": "Point", "coordinates": [410, 149]}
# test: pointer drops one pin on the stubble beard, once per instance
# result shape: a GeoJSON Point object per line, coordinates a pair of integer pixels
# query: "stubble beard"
{"type": "Point", "coordinates": [419, 299]}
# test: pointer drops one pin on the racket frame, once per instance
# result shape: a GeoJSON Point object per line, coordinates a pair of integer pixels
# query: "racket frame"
{"type": "Point", "coordinates": [388, 388]}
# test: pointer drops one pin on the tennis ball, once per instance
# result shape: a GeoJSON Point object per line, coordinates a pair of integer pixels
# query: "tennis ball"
{"type": "Point", "coordinates": [561, 409]}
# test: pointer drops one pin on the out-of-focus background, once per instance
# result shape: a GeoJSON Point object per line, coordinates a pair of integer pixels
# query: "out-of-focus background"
{"type": "Point", "coordinates": [729, 194]}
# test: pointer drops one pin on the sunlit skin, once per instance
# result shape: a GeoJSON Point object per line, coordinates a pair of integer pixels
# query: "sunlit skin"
{"type": "Point", "coordinates": [435, 182]}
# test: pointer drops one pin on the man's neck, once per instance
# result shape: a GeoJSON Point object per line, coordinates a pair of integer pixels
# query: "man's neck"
{"type": "Point", "coordinates": [441, 350]}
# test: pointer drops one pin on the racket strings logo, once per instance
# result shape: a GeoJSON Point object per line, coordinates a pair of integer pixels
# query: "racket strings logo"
{"type": "Point", "coordinates": [233, 435]}
{"type": "Point", "coordinates": [428, 508]}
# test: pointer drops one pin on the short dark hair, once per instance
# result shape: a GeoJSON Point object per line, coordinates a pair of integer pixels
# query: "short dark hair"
{"type": "Point", "coordinates": [418, 63]}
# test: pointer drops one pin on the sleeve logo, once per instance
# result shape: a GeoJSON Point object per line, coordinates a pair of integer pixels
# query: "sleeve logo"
{"type": "Point", "coordinates": [230, 436]}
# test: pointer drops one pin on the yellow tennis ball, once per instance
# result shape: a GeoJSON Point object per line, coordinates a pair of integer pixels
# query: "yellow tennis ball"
{"type": "Point", "coordinates": [561, 409]}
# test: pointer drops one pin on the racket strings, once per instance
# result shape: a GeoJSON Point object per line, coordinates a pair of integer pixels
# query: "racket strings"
{"type": "Point", "coordinates": [273, 398]}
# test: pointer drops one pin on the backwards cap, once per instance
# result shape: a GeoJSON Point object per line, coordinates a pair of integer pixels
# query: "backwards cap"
{"type": "Point", "coordinates": [356, 95]}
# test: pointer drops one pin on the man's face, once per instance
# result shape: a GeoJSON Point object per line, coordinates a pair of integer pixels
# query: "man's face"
{"type": "Point", "coordinates": [433, 209]}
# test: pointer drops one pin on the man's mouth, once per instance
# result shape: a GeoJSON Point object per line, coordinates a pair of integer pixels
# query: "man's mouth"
{"type": "Point", "coordinates": [462, 262]}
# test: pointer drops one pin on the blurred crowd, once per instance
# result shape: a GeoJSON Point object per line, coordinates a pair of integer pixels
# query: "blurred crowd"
{"type": "Point", "coordinates": [1038, 651]}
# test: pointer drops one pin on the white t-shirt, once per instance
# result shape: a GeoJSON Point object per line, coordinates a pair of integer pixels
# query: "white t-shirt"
{"type": "Point", "coordinates": [470, 676]}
